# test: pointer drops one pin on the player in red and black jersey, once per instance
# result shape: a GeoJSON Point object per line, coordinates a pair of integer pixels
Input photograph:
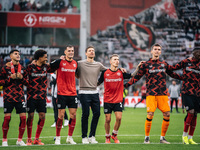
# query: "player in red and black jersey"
{"type": "Point", "coordinates": [67, 96]}
{"type": "Point", "coordinates": [36, 93]}
{"type": "Point", "coordinates": [155, 71]}
{"type": "Point", "coordinates": [113, 79]}
{"type": "Point", "coordinates": [190, 93]}
{"type": "Point", "coordinates": [12, 80]}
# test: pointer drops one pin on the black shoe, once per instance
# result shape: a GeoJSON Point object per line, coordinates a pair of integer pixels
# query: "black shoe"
{"type": "Point", "coordinates": [146, 140]}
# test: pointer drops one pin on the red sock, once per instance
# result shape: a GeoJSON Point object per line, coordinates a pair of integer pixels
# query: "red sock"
{"type": "Point", "coordinates": [5, 126]}
{"type": "Point", "coordinates": [193, 125]}
{"type": "Point", "coordinates": [72, 123]}
{"type": "Point", "coordinates": [22, 126]}
{"type": "Point", "coordinates": [29, 127]}
{"type": "Point", "coordinates": [39, 128]}
{"type": "Point", "coordinates": [187, 121]}
{"type": "Point", "coordinates": [58, 126]}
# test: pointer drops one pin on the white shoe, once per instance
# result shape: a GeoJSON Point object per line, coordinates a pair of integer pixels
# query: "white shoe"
{"type": "Point", "coordinates": [66, 123]}
{"type": "Point", "coordinates": [70, 140]}
{"type": "Point", "coordinates": [5, 143]}
{"type": "Point", "coordinates": [92, 140]}
{"type": "Point", "coordinates": [20, 143]}
{"type": "Point", "coordinates": [85, 140]}
{"type": "Point", "coordinates": [53, 125]}
{"type": "Point", "coordinates": [57, 141]}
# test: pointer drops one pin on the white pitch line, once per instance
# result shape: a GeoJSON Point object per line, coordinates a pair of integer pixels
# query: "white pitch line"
{"type": "Point", "coordinates": [134, 135]}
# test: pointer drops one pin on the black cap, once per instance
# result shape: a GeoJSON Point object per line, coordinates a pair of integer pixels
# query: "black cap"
{"type": "Point", "coordinates": [14, 50]}
{"type": "Point", "coordinates": [196, 49]}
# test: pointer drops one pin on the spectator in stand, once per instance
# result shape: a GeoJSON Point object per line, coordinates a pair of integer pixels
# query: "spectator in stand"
{"type": "Point", "coordinates": [70, 7]}
{"type": "Point", "coordinates": [0, 7]}
{"type": "Point", "coordinates": [38, 6]}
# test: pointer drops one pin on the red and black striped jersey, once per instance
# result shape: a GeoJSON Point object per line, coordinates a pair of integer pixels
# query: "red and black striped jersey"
{"type": "Point", "coordinates": [155, 72]}
{"type": "Point", "coordinates": [37, 79]}
{"type": "Point", "coordinates": [113, 85]}
{"type": "Point", "coordinates": [66, 83]}
{"type": "Point", "coordinates": [191, 76]}
{"type": "Point", "coordinates": [12, 88]}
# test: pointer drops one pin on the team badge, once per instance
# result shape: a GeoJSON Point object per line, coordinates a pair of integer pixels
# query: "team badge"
{"type": "Point", "coordinates": [64, 64]}
{"type": "Point", "coordinates": [74, 65]}
{"type": "Point", "coordinates": [22, 71]}
{"type": "Point", "coordinates": [118, 73]}
{"type": "Point", "coordinates": [150, 66]}
{"type": "Point", "coordinates": [162, 65]}
{"type": "Point", "coordinates": [45, 69]}
{"type": "Point", "coordinates": [107, 74]}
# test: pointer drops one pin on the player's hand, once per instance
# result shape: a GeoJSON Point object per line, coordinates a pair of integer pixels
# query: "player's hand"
{"type": "Point", "coordinates": [19, 75]}
{"type": "Point", "coordinates": [13, 76]}
{"type": "Point", "coordinates": [140, 64]}
{"type": "Point", "coordinates": [62, 57]}
{"type": "Point", "coordinates": [33, 62]}
{"type": "Point", "coordinates": [123, 70]}
{"type": "Point", "coordinates": [190, 58]}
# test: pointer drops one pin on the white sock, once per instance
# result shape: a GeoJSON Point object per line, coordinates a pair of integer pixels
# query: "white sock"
{"type": "Point", "coordinates": [161, 137]}
{"type": "Point", "coordinates": [107, 135]}
{"type": "Point", "coordinates": [69, 136]}
{"type": "Point", "coordinates": [185, 134]}
{"type": "Point", "coordinates": [189, 137]}
{"type": "Point", "coordinates": [115, 132]}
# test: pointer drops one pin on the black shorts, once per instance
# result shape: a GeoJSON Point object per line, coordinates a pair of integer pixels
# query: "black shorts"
{"type": "Point", "coordinates": [39, 105]}
{"type": "Point", "coordinates": [69, 101]}
{"type": "Point", "coordinates": [19, 106]}
{"type": "Point", "coordinates": [109, 107]}
{"type": "Point", "coordinates": [143, 98]}
{"type": "Point", "coordinates": [191, 102]}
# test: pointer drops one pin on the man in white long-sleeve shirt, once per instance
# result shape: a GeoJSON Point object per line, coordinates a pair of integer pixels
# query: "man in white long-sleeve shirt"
{"type": "Point", "coordinates": [174, 91]}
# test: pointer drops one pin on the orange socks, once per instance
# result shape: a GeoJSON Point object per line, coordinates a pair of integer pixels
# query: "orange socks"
{"type": "Point", "coordinates": [165, 125]}
{"type": "Point", "coordinates": [148, 125]}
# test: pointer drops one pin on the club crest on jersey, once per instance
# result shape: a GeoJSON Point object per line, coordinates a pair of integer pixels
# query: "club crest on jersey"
{"type": "Point", "coordinates": [162, 65]}
{"type": "Point", "coordinates": [107, 74]}
{"type": "Point", "coordinates": [150, 66]}
{"type": "Point", "coordinates": [118, 73]}
{"type": "Point", "coordinates": [33, 69]}
{"type": "Point", "coordinates": [45, 69]}
{"type": "Point", "coordinates": [64, 64]}
{"type": "Point", "coordinates": [74, 65]}
{"type": "Point", "coordinates": [22, 71]}
{"type": "Point", "coordinates": [189, 64]}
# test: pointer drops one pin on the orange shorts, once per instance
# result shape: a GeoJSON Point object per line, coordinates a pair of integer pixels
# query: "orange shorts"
{"type": "Point", "coordinates": [160, 102]}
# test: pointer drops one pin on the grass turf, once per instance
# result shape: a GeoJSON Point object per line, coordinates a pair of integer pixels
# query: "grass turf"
{"type": "Point", "coordinates": [131, 132]}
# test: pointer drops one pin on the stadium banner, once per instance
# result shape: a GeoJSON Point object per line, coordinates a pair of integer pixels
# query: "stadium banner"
{"type": "Point", "coordinates": [29, 50]}
{"type": "Point", "coordinates": [43, 20]}
{"type": "Point", "coordinates": [139, 36]}
{"type": "Point", "coordinates": [130, 101]}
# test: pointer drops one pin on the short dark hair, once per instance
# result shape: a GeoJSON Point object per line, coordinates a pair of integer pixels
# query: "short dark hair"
{"type": "Point", "coordinates": [69, 45]}
{"type": "Point", "coordinates": [39, 53]}
{"type": "Point", "coordinates": [156, 44]}
{"type": "Point", "coordinates": [14, 50]}
{"type": "Point", "coordinates": [113, 55]}
{"type": "Point", "coordinates": [89, 47]}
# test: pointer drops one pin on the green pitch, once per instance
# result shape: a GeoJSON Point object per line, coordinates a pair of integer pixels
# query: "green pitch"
{"type": "Point", "coordinates": [131, 133]}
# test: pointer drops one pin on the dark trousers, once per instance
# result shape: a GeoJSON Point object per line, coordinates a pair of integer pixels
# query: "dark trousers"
{"type": "Point", "coordinates": [176, 101]}
{"type": "Point", "coordinates": [88, 100]}
{"type": "Point", "coordinates": [55, 110]}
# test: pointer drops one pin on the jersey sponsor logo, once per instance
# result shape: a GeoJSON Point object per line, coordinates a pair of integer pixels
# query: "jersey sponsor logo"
{"type": "Point", "coordinates": [68, 70]}
{"type": "Point", "coordinates": [113, 80]}
{"type": "Point", "coordinates": [38, 75]}
{"type": "Point", "coordinates": [156, 70]}
{"type": "Point", "coordinates": [118, 73]}
{"type": "Point", "coordinates": [192, 70]}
